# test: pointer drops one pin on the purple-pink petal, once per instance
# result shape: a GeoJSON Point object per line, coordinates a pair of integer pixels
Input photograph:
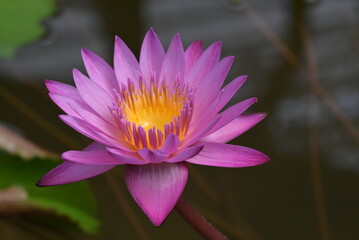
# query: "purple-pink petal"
{"type": "Point", "coordinates": [235, 128]}
{"type": "Point", "coordinates": [64, 103]}
{"type": "Point", "coordinates": [226, 155]}
{"type": "Point", "coordinates": [229, 90]}
{"type": "Point", "coordinates": [156, 187]}
{"type": "Point", "coordinates": [63, 89]}
{"type": "Point", "coordinates": [99, 157]}
{"type": "Point", "coordinates": [85, 129]}
{"type": "Point", "coordinates": [171, 144]}
{"type": "Point", "coordinates": [127, 157]}
{"type": "Point", "coordinates": [125, 63]}
{"type": "Point", "coordinates": [173, 65]}
{"type": "Point", "coordinates": [152, 156]}
{"type": "Point", "coordinates": [204, 64]}
{"type": "Point", "coordinates": [185, 153]}
{"type": "Point", "coordinates": [69, 172]}
{"type": "Point", "coordinates": [233, 112]}
{"type": "Point", "coordinates": [99, 71]}
{"type": "Point", "coordinates": [152, 55]}
{"type": "Point", "coordinates": [211, 85]}
{"type": "Point", "coordinates": [94, 95]}
{"type": "Point", "coordinates": [192, 53]}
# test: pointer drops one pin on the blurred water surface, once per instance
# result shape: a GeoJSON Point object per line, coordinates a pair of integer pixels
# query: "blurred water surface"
{"type": "Point", "coordinates": [302, 58]}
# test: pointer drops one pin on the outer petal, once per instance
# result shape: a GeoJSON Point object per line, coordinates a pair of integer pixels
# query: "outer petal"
{"type": "Point", "coordinates": [204, 64]}
{"type": "Point", "coordinates": [234, 128]}
{"type": "Point", "coordinates": [64, 103]}
{"type": "Point", "coordinates": [229, 90]}
{"type": "Point", "coordinates": [211, 85]}
{"type": "Point", "coordinates": [68, 172]}
{"type": "Point", "coordinates": [94, 95]}
{"type": "Point", "coordinates": [185, 154]}
{"type": "Point", "coordinates": [99, 71]}
{"type": "Point", "coordinates": [156, 187]}
{"type": "Point", "coordinates": [152, 55]}
{"type": "Point", "coordinates": [226, 155]}
{"type": "Point", "coordinates": [128, 157]}
{"type": "Point", "coordinates": [195, 136]}
{"type": "Point", "coordinates": [125, 63]}
{"type": "Point", "coordinates": [95, 158]}
{"type": "Point", "coordinates": [63, 89]}
{"type": "Point", "coordinates": [233, 112]}
{"type": "Point", "coordinates": [191, 55]}
{"type": "Point", "coordinates": [173, 64]}
{"type": "Point", "coordinates": [86, 129]}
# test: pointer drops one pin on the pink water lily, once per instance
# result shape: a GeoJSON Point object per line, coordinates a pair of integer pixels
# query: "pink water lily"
{"type": "Point", "coordinates": [154, 116]}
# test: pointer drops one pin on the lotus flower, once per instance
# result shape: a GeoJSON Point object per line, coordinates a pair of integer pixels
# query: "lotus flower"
{"type": "Point", "coordinates": [154, 116]}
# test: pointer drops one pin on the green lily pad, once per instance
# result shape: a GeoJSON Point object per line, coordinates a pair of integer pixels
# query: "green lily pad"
{"type": "Point", "coordinates": [21, 23]}
{"type": "Point", "coordinates": [73, 201]}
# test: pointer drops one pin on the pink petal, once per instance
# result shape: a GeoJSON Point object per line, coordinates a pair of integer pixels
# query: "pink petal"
{"type": "Point", "coordinates": [97, 123]}
{"type": "Point", "coordinates": [191, 55]}
{"type": "Point", "coordinates": [128, 157]}
{"type": "Point", "coordinates": [156, 187]}
{"type": "Point", "coordinates": [226, 155]}
{"type": "Point", "coordinates": [152, 156]}
{"type": "Point", "coordinates": [64, 103]}
{"type": "Point", "coordinates": [94, 95]}
{"type": "Point", "coordinates": [204, 64]}
{"type": "Point", "coordinates": [173, 64]}
{"type": "Point", "coordinates": [125, 63]}
{"type": "Point", "coordinates": [99, 71]}
{"type": "Point", "coordinates": [229, 90]}
{"type": "Point", "coordinates": [233, 112]}
{"type": "Point", "coordinates": [85, 129]}
{"type": "Point", "coordinates": [68, 172]}
{"type": "Point", "coordinates": [152, 55]}
{"type": "Point", "coordinates": [194, 136]}
{"type": "Point", "coordinates": [171, 144]}
{"type": "Point", "coordinates": [234, 128]}
{"type": "Point", "coordinates": [99, 157]}
{"type": "Point", "coordinates": [63, 89]}
{"type": "Point", "coordinates": [185, 154]}
{"type": "Point", "coordinates": [159, 155]}
{"type": "Point", "coordinates": [211, 85]}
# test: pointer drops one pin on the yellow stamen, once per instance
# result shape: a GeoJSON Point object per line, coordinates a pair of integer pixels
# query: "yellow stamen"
{"type": "Point", "coordinates": [151, 113]}
{"type": "Point", "coordinates": [155, 107]}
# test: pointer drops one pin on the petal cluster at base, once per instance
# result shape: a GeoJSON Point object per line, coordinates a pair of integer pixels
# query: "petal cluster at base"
{"type": "Point", "coordinates": [154, 116]}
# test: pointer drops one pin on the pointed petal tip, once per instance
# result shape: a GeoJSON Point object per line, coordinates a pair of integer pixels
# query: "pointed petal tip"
{"type": "Point", "coordinates": [158, 222]}
{"type": "Point", "coordinates": [151, 31]}
{"type": "Point", "coordinates": [39, 184]}
{"type": "Point", "coordinates": [86, 53]}
{"type": "Point", "coordinates": [243, 77]}
{"type": "Point", "coordinates": [75, 71]}
{"type": "Point", "coordinates": [156, 188]}
{"type": "Point", "coordinates": [229, 58]}
{"type": "Point", "coordinates": [217, 44]}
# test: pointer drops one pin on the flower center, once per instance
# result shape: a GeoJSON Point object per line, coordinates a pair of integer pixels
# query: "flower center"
{"type": "Point", "coordinates": [147, 114]}
{"type": "Point", "coordinates": [154, 107]}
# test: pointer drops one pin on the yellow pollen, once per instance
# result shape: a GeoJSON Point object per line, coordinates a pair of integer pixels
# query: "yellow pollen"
{"type": "Point", "coordinates": [152, 107]}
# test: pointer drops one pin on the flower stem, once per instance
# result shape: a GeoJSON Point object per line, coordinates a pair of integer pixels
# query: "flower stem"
{"type": "Point", "coordinates": [197, 221]}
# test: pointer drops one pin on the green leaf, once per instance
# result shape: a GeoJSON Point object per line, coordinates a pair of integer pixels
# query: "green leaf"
{"type": "Point", "coordinates": [21, 23]}
{"type": "Point", "coordinates": [74, 201]}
